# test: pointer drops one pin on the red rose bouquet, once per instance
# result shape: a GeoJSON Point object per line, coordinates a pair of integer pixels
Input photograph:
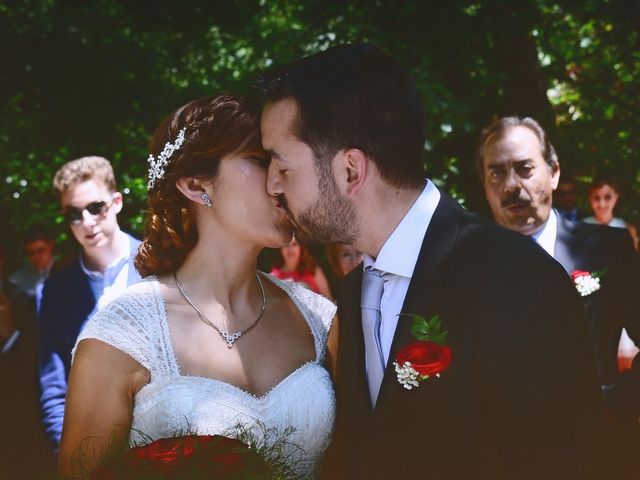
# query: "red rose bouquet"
{"type": "Point", "coordinates": [198, 457]}
{"type": "Point", "coordinates": [188, 457]}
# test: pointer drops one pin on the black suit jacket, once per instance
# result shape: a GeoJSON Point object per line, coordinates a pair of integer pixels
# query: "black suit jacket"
{"type": "Point", "coordinates": [67, 303]}
{"type": "Point", "coordinates": [520, 399]}
{"type": "Point", "coordinates": [582, 246]}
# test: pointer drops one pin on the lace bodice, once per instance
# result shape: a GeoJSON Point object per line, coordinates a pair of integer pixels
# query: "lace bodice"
{"type": "Point", "coordinates": [171, 402]}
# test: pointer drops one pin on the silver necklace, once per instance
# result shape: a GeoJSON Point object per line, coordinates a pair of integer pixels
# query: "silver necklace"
{"type": "Point", "coordinates": [230, 338]}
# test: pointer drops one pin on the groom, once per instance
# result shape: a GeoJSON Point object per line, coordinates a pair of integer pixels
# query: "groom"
{"type": "Point", "coordinates": [519, 399]}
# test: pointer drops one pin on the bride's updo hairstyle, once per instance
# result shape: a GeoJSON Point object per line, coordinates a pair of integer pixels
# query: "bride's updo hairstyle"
{"type": "Point", "coordinates": [214, 128]}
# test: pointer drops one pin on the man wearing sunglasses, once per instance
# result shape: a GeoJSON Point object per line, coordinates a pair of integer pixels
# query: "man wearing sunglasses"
{"type": "Point", "coordinates": [87, 193]}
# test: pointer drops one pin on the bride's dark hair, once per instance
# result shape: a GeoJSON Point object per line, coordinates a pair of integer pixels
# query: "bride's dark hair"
{"type": "Point", "coordinates": [215, 127]}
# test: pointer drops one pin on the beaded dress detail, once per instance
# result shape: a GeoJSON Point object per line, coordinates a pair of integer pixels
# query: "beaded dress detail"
{"type": "Point", "coordinates": [171, 402]}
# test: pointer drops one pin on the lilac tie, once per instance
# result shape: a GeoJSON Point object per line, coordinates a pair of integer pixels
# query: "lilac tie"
{"type": "Point", "coordinates": [372, 288]}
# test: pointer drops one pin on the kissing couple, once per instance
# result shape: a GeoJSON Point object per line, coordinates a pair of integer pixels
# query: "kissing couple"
{"type": "Point", "coordinates": [441, 362]}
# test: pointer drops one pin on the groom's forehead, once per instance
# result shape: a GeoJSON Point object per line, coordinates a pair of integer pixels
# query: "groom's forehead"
{"type": "Point", "coordinates": [278, 118]}
{"type": "Point", "coordinates": [278, 127]}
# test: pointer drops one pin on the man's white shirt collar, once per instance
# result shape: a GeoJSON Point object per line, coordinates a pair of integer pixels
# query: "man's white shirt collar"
{"type": "Point", "coordinates": [408, 236]}
{"type": "Point", "coordinates": [398, 257]}
{"type": "Point", "coordinates": [117, 262]}
{"type": "Point", "coordinates": [546, 236]}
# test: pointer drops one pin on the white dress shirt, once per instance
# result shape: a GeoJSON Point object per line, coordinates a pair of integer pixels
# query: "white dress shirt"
{"type": "Point", "coordinates": [398, 257]}
{"type": "Point", "coordinates": [115, 279]}
{"type": "Point", "coordinates": [546, 236]}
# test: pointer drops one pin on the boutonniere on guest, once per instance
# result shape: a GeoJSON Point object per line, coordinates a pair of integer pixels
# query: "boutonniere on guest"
{"type": "Point", "coordinates": [426, 357]}
{"type": "Point", "coordinates": [587, 282]}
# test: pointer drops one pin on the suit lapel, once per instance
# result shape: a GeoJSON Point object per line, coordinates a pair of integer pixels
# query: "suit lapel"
{"type": "Point", "coordinates": [426, 281]}
{"type": "Point", "coordinates": [84, 298]}
{"type": "Point", "coordinates": [565, 242]}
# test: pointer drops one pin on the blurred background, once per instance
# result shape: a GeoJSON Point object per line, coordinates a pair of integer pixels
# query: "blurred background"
{"type": "Point", "coordinates": [81, 78]}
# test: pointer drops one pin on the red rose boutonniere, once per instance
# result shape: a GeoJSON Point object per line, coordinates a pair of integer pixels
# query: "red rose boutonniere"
{"type": "Point", "coordinates": [587, 282]}
{"type": "Point", "coordinates": [426, 357]}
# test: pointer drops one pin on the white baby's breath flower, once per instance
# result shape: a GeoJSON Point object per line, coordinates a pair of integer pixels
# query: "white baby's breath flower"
{"type": "Point", "coordinates": [587, 284]}
{"type": "Point", "coordinates": [407, 376]}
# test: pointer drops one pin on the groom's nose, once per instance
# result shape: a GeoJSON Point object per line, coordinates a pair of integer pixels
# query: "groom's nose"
{"type": "Point", "coordinates": [274, 185]}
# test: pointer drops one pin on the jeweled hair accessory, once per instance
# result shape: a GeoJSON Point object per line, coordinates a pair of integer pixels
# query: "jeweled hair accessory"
{"type": "Point", "coordinates": [156, 166]}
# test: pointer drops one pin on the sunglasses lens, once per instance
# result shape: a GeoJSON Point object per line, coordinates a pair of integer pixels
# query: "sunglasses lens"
{"type": "Point", "coordinates": [96, 208]}
{"type": "Point", "coordinates": [73, 216]}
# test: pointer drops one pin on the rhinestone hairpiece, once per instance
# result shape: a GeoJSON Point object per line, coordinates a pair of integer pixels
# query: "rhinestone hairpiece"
{"type": "Point", "coordinates": [156, 166]}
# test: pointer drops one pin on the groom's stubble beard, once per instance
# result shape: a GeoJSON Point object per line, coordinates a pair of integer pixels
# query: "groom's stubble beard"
{"type": "Point", "coordinates": [331, 219]}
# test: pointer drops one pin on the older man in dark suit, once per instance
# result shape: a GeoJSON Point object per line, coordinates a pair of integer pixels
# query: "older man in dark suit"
{"type": "Point", "coordinates": [519, 169]}
{"type": "Point", "coordinates": [345, 131]}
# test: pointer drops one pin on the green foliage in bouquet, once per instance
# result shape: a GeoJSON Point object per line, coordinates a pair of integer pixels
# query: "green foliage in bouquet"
{"type": "Point", "coordinates": [240, 454]}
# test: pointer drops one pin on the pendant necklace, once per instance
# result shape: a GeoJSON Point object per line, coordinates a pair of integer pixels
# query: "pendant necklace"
{"type": "Point", "coordinates": [230, 338]}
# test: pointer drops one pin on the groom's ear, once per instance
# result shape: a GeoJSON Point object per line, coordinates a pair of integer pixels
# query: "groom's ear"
{"type": "Point", "coordinates": [355, 166]}
{"type": "Point", "coordinates": [192, 189]}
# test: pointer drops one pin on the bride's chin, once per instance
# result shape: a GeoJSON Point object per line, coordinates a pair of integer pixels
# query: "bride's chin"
{"type": "Point", "coordinates": [282, 239]}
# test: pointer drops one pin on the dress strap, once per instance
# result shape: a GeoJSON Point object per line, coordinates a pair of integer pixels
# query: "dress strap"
{"type": "Point", "coordinates": [132, 324]}
{"type": "Point", "coordinates": [317, 310]}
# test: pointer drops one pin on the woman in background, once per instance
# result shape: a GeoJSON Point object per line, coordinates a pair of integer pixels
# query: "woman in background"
{"type": "Point", "coordinates": [604, 194]}
{"type": "Point", "coordinates": [342, 258]}
{"type": "Point", "coordinates": [296, 264]}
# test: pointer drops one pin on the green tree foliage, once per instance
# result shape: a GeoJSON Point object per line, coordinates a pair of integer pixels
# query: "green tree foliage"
{"type": "Point", "coordinates": [81, 78]}
{"type": "Point", "coordinates": [591, 59]}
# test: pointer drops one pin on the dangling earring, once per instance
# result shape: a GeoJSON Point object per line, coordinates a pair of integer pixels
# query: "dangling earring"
{"type": "Point", "coordinates": [206, 199]}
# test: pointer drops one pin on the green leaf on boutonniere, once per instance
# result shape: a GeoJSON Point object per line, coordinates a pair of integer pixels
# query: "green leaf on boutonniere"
{"type": "Point", "coordinates": [599, 273]}
{"type": "Point", "coordinates": [427, 330]}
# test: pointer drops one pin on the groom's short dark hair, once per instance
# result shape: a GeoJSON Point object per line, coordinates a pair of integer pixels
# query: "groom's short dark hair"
{"type": "Point", "coordinates": [355, 96]}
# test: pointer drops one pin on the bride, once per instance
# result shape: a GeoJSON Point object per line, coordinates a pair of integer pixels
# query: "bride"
{"type": "Point", "coordinates": [206, 341]}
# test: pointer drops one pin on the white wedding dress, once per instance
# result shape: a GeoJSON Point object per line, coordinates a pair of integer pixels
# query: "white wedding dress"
{"type": "Point", "coordinates": [304, 401]}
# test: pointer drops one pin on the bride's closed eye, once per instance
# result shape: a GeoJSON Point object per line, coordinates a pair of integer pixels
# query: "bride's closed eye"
{"type": "Point", "coordinates": [261, 160]}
